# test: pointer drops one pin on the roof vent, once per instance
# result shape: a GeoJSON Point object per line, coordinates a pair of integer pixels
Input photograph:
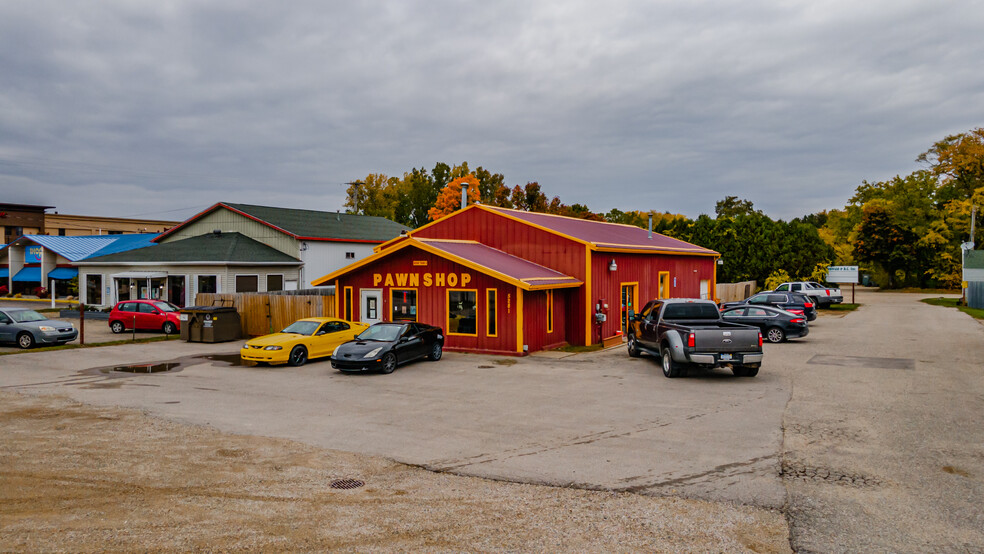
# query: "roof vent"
{"type": "Point", "coordinates": [403, 233]}
{"type": "Point", "coordinates": [216, 232]}
{"type": "Point", "coordinates": [338, 215]}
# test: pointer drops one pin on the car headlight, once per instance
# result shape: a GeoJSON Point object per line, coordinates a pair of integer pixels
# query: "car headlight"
{"type": "Point", "coordinates": [273, 348]}
{"type": "Point", "coordinates": [47, 329]}
{"type": "Point", "coordinates": [372, 353]}
{"type": "Point", "coordinates": [334, 353]}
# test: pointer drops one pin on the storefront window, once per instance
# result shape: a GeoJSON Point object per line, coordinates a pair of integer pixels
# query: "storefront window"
{"type": "Point", "coordinates": [461, 312]}
{"type": "Point", "coordinates": [176, 290]}
{"type": "Point", "coordinates": [157, 288]}
{"type": "Point", "coordinates": [122, 289]}
{"type": "Point", "coordinates": [93, 289]}
{"type": "Point", "coordinates": [404, 304]}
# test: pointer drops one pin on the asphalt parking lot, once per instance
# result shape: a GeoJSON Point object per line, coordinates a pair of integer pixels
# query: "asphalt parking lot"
{"type": "Point", "coordinates": [867, 433]}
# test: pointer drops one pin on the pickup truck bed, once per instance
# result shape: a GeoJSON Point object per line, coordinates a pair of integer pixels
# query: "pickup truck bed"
{"type": "Point", "coordinates": [699, 338]}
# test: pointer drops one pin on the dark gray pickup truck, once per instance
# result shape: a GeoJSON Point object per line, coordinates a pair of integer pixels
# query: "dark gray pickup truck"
{"type": "Point", "coordinates": [683, 332]}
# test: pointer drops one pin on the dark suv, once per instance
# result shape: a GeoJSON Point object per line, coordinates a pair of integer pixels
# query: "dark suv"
{"type": "Point", "coordinates": [796, 303]}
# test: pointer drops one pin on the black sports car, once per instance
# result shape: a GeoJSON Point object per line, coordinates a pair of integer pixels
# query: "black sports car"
{"type": "Point", "coordinates": [776, 325]}
{"type": "Point", "coordinates": [383, 346]}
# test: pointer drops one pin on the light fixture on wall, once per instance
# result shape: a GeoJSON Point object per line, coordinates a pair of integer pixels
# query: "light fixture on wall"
{"type": "Point", "coordinates": [612, 266]}
{"type": "Point", "coordinates": [304, 246]}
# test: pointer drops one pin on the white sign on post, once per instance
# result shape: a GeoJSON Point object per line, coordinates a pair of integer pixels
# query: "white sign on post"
{"type": "Point", "coordinates": [842, 274]}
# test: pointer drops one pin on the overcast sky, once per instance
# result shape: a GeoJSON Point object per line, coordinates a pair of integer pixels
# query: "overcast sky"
{"type": "Point", "coordinates": [160, 109]}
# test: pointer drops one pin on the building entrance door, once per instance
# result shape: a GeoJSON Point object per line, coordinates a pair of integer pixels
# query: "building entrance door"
{"type": "Point", "coordinates": [630, 297]}
{"type": "Point", "coordinates": [371, 305]}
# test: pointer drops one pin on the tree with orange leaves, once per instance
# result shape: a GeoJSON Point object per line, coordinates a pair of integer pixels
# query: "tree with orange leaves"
{"type": "Point", "coordinates": [449, 200]}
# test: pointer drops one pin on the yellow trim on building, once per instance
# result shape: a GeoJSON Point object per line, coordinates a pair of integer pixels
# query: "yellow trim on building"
{"type": "Point", "coordinates": [492, 314]}
{"type": "Point", "coordinates": [661, 292]}
{"type": "Point", "coordinates": [519, 320]}
{"type": "Point", "coordinates": [588, 316]}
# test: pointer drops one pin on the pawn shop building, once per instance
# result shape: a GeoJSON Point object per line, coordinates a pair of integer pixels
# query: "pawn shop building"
{"type": "Point", "coordinates": [510, 282]}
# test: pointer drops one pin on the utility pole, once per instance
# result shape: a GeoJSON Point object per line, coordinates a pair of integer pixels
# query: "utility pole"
{"type": "Point", "coordinates": [355, 184]}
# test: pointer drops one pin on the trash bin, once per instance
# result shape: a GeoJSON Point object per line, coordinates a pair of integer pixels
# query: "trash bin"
{"type": "Point", "coordinates": [210, 324]}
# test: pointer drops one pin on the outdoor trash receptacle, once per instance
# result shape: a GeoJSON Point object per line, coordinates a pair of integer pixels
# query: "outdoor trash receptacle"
{"type": "Point", "coordinates": [210, 324]}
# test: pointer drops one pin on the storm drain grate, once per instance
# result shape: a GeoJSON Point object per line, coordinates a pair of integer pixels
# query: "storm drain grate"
{"type": "Point", "coordinates": [346, 484]}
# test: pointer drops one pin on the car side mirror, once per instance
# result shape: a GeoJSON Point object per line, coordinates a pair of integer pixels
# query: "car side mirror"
{"type": "Point", "coordinates": [319, 333]}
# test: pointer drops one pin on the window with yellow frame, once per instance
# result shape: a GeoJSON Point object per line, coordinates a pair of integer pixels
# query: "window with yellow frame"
{"type": "Point", "coordinates": [664, 284]}
{"type": "Point", "coordinates": [550, 311]}
{"type": "Point", "coordinates": [347, 304]}
{"type": "Point", "coordinates": [491, 297]}
{"type": "Point", "coordinates": [462, 312]}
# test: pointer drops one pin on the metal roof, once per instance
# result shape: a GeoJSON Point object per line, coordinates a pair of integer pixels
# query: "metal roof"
{"type": "Point", "coordinates": [497, 261]}
{"type": "Point", "coordinates": [312, 224]}
{"type": "Point", "coordinates": [484, 259]}
{"type": "Point", "coordinates": [211, 247]}
{"type": "Point", "coordinates": [71, 248]}
{"type": "Point", "coordinates": [602, 235]}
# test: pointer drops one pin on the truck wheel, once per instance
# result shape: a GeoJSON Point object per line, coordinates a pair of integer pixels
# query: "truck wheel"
{"type": "Point", "coordinates": [745, 370]}
{"type": "Point", "coordinates": [775, 334]}
{"type": "Point", "coordinates": [671, 369]}
{"type": "Point", "coordinates": [634, 348]}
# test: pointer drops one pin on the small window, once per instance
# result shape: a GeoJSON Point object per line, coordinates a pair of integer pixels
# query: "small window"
{"type": "Point", "coordinates": [797, 287]}
{"type": "Point", "coordinates": [783, 287]}
{"type": "Point", "coordinates": [61, 232]}
{"type": "Point", "coordinates": [777, 298]}
{"type": "Point", "coordinates": [550, 311]}
{"type": "Point", "coordinates": [128, 307]}
{"type": "Point", "coordinates": [347, 308]}
{"type": "Point", "coordinates": [461, 312]}
{"type": "Point", "coordinates": [350, 255]}
{"type": "Point", "coordinates": [114, 232]}
{"type": "Point", "coordinates": [490, 312]}
{"type": "Point", "coordinates": [208, 284]}
{"type": "Point", "coordinates": [246, 283]}
{"type": "Point", "coordinates": [757, 312]}
{"type": "Point", "coordinates": [275, 282]}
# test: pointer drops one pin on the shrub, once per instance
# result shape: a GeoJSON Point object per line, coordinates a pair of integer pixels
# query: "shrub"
{"type": "Point", "coordinates": [3, 290]}
{"type": "Point", "coordinates": [41, 292]}
{"type": "Point", "coordinates": [777, 278]}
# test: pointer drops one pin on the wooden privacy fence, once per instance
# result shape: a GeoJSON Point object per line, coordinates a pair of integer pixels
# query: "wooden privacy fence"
{"type": "Point", "coordinates": [733, 292]}
{"type": "Point", "coordinates": [262, 314]}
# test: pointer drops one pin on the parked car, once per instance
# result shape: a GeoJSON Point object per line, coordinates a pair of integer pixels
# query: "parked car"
{"type": "Point", "coordinates": [822, 296]}
{"type": "Point", "coordinates": [145, 315]}
{"type": "Point", "coordinates": [383, 346]}
{"type": "Point", "coordinates": [308, 338]}
{"type": "Point", "coordinates": [689, 331]}
{"type": "Point", "coordinates": [776, 325]}
{"type": "Point", "coordinates": [28, 328]}
{"type": "Point", "coordinates": [798, 304]}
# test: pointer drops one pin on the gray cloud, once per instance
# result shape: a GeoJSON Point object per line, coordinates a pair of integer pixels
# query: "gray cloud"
{"type": "Point", "coordinates": [120, 108]}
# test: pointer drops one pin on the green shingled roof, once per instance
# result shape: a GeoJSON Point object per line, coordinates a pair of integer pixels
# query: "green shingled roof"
{"type": "Point", "coordinates": [974, 259]}
{"type": "Point", "coordinates": [223, 247]}
{"type": "Point", "coordinates": [324, 225]}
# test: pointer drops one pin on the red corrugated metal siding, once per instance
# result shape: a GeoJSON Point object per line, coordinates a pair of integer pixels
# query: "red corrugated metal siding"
{"type": "Point", "coordinates": [535, 332]}
{"type": "Point", "coordinates": [522, 240]}
{"type": "Point", "coordinates": [644, 269]}
{"type": "Point", "coordinates": [432, 301]}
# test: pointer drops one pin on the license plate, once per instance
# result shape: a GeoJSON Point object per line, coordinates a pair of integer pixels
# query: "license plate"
{"type": "Point", "coordinates": [726, 357]}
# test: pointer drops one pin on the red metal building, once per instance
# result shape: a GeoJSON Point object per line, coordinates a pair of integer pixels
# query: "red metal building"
{"type": "Point", "coordinates": [508, 281]}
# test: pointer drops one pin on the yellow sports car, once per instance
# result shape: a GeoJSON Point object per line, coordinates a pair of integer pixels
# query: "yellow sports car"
{"type": "Point", "coordinates": [312, 337]}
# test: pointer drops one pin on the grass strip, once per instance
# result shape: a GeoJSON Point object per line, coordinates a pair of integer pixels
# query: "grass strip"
{"type": "Point", "coordinates": [842, 307]}
{"type": "Point", "coordinates": [976, 313]}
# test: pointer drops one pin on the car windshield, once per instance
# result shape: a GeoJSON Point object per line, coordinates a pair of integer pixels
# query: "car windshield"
{"type": "Point", "coordinates": [381, 332]}
{"type": "Point", "coordinates": [25, 316]}
{"type": "Point", "coordinates": [302, 327]}
{"type": "Point", "coordinates": [165, 306]}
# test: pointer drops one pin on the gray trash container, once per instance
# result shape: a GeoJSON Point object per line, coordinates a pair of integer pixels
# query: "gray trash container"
{"type": "Point", "coordinates": [210, 324]}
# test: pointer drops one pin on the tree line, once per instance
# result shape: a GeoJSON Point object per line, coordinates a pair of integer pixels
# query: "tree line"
{"type": "Point", "coordinates": [906, 231]}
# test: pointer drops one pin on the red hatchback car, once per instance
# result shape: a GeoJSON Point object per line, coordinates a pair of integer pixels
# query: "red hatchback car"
{"type": "Point", "coordinates": [149, 315]}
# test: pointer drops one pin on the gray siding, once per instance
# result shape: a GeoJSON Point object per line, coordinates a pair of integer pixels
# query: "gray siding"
{"type": "Point", "coordinates": [227, 222]}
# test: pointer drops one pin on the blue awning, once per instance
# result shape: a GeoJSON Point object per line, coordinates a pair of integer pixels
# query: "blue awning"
{"type": "Point", "coordinates": [29, 274]}
{"type": "Point", "coordinates": [4, 273]}
{"type": "Point", "coordinates": [63, 273]}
